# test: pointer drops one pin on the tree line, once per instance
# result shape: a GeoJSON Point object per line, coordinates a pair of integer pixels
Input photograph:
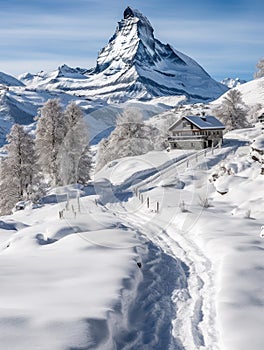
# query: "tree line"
{"type": "Point", "coordinates": [58, 154]}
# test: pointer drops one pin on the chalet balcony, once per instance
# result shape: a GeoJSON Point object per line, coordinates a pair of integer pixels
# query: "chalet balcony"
{"type": "Point", "coordinates": [187, 137]}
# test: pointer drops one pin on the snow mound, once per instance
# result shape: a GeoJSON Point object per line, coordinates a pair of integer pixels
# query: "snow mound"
{"type": "Point", "coordinates": [258, 143]}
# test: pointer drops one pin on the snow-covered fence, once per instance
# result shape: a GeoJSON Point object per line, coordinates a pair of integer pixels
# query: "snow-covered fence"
{"type": "Point", "coordinates": [180, 166]}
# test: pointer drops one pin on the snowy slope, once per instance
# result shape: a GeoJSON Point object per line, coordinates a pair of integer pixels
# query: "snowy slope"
{"type": "Point", "coordinates": [74, 283]}
{"type": "Point", "coordinates": [8, 80]}
{"type": "Point", "coordinates": [217, 236]}
{"type": "Point", "coordinates": [133, 65]}
{"type": "Point", "coordinates": [252, 92]}
{"type": "Point", "coordinates": [64, 282]}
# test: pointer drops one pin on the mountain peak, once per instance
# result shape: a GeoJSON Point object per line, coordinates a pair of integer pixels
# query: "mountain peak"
{"type": "Point", "coordinates": [128, 12]}
{"type": "Point", "coordinates": [136, 65]}
{"type": "Point", "coordinates": [134, 13]}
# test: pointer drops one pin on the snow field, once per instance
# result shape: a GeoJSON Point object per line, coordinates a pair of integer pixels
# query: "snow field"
{"type": "Point", "coordinates": [66, 283]}
{"type": "Point", "coordinates": [219, 243]}
{"type": "Point", "coordinates": [74, 282]}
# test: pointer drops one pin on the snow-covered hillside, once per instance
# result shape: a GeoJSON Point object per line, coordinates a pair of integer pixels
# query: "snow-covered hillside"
{"type": "Point", "coordinates": [133, 65]}
{"type": "Point", "coordinates": [252, 92]}
{"type": "Point", "coordinates": [210, 217]}
{"type": "Point", "coordinates": [7, 80]}
{"type": "Point", "coordinates": [74, 283]}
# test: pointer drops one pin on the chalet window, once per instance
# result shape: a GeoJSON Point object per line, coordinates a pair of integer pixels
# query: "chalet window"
{"type": "Point", "coordinates": [184, 124]}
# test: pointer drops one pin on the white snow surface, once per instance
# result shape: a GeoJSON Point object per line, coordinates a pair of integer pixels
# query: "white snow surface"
{"type": "Point", "coordinates": [74, 283]}
{"type": "Point", "coordinates": [258, 143]}
{"type": "Point", "coordinates": [217, 238]}
{"type": "Point", "coordinates": [61, 279]}
{"type": "Point", "coordinates": [252, 92]}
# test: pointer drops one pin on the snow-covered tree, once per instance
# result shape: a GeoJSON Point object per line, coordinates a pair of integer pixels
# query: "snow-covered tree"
{"type": "Point", "coordinates": [74, 161]}
{"type": "Point", "coordinates": [50, 134]}
{"type": "Point", "coordinates": [130, 137]}
{"type": "Point", "coordinates": [260, 69]}
{"type": "Point", "coordinates": [233, 111]}
{"type": "Point", "coordinates": [84, 166]}
{"type": "Point", "coordinates": [18, 170]}
{"type": "Point", "coordinates": [254, 112]}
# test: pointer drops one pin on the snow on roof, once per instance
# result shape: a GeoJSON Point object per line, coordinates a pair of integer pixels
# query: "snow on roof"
{"type": "Point", "coordinates": [258, 143]}
{"type": "Point", "coordinates": [205, 122]}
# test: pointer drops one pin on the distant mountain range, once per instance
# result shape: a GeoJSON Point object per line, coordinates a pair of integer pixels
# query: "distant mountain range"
{"type": "Point", "coordinates": [231, 83]}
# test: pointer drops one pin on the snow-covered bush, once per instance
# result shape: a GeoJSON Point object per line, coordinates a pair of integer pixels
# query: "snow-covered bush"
{"type": "Point", "coordinates": [203, 201]}
{"type": "Point", "coordinates": [257, 149]}
{"type": "Point", "coordinates": [130, 137]}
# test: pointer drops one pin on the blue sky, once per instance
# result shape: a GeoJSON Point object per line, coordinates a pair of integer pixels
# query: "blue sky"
{"type": "Point", "coordinates": [225, 37]}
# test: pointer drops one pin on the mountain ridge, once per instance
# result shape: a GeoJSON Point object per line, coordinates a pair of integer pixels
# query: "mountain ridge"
{"type": "Point", "coordinates": [134, 64]}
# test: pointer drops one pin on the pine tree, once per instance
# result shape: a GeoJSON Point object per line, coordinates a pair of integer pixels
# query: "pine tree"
{"type": "Point", "coordinates": [73, 159]}
{"type": "Point", "coordinates": [18, 170]}
{"type": "Point", "coordinates": [50, 134]}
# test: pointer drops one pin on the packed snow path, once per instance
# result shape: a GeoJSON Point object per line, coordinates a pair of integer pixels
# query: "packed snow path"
{"type": "Point", "coordinates": [150, 315]}
{"type": "Point", "coordinates": [193, 321]}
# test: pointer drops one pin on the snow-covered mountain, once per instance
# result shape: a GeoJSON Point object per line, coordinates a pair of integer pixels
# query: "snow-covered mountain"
{"type": "Point", "coordinates": [133, 65]}
{"type": "Point", "coordinates": [231, 82]}
{"type": "Point", "coordinates": [8, 80]}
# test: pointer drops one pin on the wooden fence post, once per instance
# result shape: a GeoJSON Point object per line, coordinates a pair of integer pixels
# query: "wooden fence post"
{"type": "Point", "coordinates": [68, 202]}
{"type": "Point", "coordinates": [148, 202]}
{"type": "Point", "coordinates": [78, 201]}
{"type": "Point", "coordinates": [157, 207]}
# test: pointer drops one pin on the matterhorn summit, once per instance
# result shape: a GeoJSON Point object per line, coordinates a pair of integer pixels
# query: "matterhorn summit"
{"type": "Point", "coordinates": [134, 65]}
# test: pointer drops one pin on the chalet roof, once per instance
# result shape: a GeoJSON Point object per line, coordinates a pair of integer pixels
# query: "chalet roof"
{"type": "Point", "coordinates": [205, 122]}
